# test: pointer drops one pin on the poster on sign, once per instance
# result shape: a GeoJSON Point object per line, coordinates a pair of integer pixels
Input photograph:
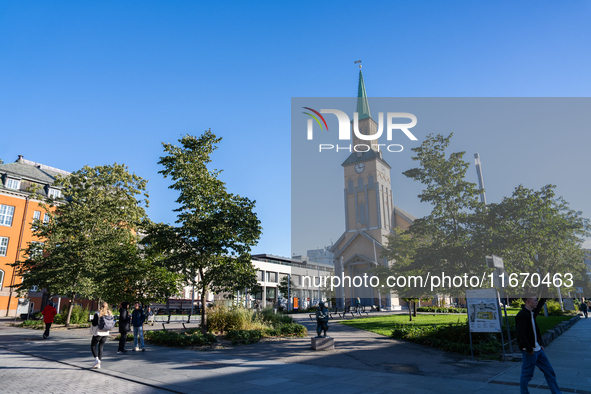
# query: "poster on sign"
{"type": "Point", "coordinates": [483, 310]}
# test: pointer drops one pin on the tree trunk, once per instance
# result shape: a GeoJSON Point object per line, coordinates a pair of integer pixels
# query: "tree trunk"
{"type": "Point", "coordinates": [168, 308]}
{"type": "Point", "coordinates": [203, 311]}
{"type": "Point", "coordinates": [414, 308]}
{"type": "Point", "coordinates": [409, 310]}
{"type": "Point", "coordinates": [70, 307]}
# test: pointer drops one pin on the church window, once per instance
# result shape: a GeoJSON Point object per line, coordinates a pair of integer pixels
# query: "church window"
{"type": "Point", "coordinates": [362, 219]}
{"type": "Point", "coordinates": [370, 182]}
{"type": "Point", "coordinates": [360, 184]}
{"type": "Point", "coordinates": [350, 186]}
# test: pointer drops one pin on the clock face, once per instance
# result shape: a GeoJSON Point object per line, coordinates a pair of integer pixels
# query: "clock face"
{"type": "Point", "coordinates": [359, 167]}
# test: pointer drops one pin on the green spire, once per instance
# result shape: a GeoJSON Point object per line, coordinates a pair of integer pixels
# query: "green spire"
{"type": "Point", "coordinates": [362, 104]}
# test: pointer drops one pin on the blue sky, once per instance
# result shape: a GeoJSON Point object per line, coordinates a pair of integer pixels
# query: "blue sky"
{"type": "Point", "coordinates": [93, 83]}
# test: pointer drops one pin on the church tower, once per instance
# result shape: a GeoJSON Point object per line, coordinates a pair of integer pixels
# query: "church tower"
{"type": "Point", "coordinates": [370, 214]}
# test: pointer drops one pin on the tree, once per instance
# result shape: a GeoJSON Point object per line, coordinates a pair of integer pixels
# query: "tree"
{"type": "Point", "coordinates": [460, 231]}
{"type": "Point", "coordinates": [146, 278]}
{"type": "Point", "coordinates": [216, 229]}
{"type": "Point", "coordinates": [537, 234]}
{"type": "Point", "coordinates": [285, 286]}
{"type": "Point", "coordinates": [88, 230]}
{"type": "Point", "coordinates": [443, 240]}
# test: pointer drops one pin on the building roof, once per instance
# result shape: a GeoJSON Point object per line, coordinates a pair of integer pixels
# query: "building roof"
{"type": "Point", "coordinates": [30, 171]}
{"type": "Point", "coordinates": [362, 104]}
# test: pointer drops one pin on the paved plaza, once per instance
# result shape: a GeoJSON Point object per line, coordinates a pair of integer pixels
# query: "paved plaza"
{"type": "Point", "coordinates": [362, 362]}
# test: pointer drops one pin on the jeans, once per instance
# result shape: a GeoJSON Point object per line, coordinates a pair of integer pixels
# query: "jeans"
{"type": "Point", "coordinates": [527, 371]}
{"type": "Point", "coordinates": [138, 332]}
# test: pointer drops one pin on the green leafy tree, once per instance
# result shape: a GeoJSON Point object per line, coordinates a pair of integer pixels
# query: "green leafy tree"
{"type": "Point", "coordinates": [141, 276]}
{"type": "Point", "coordinates": [537, 233]}
{"type": "Point", "coordinates": [87, 232]}
{"type": "Point", "coordinates": [216, 229]}
{"type": "Point", "coordinates": [443, 240]}
{"type": "Point", "coordinates": [285, 285]}
{"type": "Point", "coordinates": [531, 230]}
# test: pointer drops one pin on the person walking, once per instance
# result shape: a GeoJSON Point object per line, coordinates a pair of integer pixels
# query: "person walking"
{"type": "Point", "coordinates": [150, 316]}
{"type": "Point", "coordinates": [358, 305]}
{"type": "Point", "coordinates": [100, 333]}
{"type": "Point", "coordinates": [124, 327]}
{"type": "Point", "coordinates": [583, 308]}
{"type": "Point", "coordinates": [528, 340]}
{"type": "Point", "coordinates": [137, 320]}
{"type": "Point", "coordinates": [48, 313]}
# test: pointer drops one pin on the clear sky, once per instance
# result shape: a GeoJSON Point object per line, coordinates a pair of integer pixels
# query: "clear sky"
{"type": "Point", "coordinates": [93, 83]}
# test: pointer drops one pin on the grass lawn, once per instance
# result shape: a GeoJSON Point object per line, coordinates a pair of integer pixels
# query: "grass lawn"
{"type": "Point", "coordinates": [383, 325]}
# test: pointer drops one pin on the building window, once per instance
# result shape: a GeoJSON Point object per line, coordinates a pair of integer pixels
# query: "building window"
{"type": "Point", "coordinates": [272, 277]}
{"type": "Point", "coordinates": [1, 279]}
{"type": "Point", "coordinates": [13, 184]}
{"type": "Point", "coordinates": [6, 214]}
{"type": "Point", "coordinates": [3, 246]}
{"type": "Point", "coordinates": [295, 279]}
{"type": "Point", "coordinates": [55, 193]}
{"type": "Point", "coordinates": [46, 218]}
{"type": "Point", "coordinates": [37, 215]}
{"type": "Point", "coordinates": [36, 249]}
{"type": "Point", "coordinates": [261, 275]}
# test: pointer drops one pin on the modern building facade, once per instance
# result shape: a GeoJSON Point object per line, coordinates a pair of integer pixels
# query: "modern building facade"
{"type": "Point", "coordinates": [24, 184]}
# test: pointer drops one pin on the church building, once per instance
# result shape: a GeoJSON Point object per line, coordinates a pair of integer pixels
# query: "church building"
{"type": "Point", "coordinates": [370, 215]}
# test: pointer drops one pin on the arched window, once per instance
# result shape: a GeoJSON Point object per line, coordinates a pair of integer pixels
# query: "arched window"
{"type": "Point", "coordinates": [370, 182]}
{"type": "Point", "coordinates": [350, 186]}
{"type": "Point", "coordinates": [360, 184]}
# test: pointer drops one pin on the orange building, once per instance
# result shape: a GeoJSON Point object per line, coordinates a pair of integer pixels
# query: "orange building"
{"type": "Point", "coordinates": [18, 208]}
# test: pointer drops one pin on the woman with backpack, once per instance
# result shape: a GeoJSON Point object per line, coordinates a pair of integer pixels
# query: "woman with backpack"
{"type": "Point", "coordinates": [102, 322]}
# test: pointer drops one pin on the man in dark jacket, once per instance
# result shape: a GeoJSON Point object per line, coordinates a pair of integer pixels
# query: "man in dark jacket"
{"type": "Point", "coordinates": [137, 320]}
{"type": "Point", "coordinates": [48, 314]}
{"type": "Point", "coordinates": [529, 340]}
{"type": "Point", "coordinates": [124, 326]}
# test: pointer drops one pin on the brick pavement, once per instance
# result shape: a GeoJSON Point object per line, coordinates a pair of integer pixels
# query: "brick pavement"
{"type": "Point", "coordinates": [26, 374]}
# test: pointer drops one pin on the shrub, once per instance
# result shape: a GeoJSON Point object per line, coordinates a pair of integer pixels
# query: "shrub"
{"type": "Point", "coordinates": [244, 336]}
{"type": "Point", "coordinates": [451, 337]}
{"type": "Point", "coordinates": [517, 303]}
{"type": "Point", "coordinates": [191, 337]}
{"type": "Point", "coordinates": [553, 308]}
{"type": "Point", "coordinates": [36, 324]}
{"type": "Point", "coordinates": [437, 309]}
{"type": "Point", "coordinates": [79, 316]}
{"type": "Point", "coordinates": [223, 319]}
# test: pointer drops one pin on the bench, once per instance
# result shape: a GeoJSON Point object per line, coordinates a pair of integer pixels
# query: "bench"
{"type": "Point", "coordinates": [330, 314]}
{"type": "Point", "coordinates": [183, 322]}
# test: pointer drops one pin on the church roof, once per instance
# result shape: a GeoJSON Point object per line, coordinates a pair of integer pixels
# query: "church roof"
{"type": "Point", "coordinates": [362, 104]}
{"type": "Point", "coordinates": [365, 156]}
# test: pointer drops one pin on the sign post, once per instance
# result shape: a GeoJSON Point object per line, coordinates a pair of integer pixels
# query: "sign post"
{"type": "Point", "coordinates": [484, 313]}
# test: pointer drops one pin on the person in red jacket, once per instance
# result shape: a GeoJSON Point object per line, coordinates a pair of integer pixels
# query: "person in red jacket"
{"type": "Point", "coordinates": [48, 314]}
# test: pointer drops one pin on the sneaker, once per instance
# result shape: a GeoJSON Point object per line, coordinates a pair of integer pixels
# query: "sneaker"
{"type": "Point", "coordinates": [143, 349]}
{"type": "Point", "coordinates": [136, 349]}
{"type": "Point", "coordinates": [97, 364]}
{"type": "Point", "coordinates": [44, 337]}
{"type": "Point", "coordinates": [120, 352]}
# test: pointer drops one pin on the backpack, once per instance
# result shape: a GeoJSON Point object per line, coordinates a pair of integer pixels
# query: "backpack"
{"type": "Point", "coordinates": [106, 323]}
